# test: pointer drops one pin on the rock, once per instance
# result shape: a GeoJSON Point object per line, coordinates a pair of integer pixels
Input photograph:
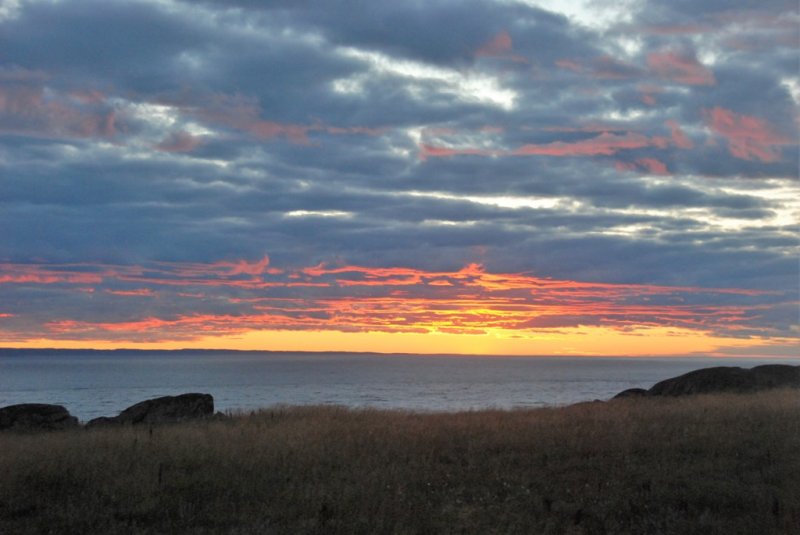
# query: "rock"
{"type": "Point", "coordinates": [631, 393]}
{"type": "Point", "coordinates": [729, 379]}
{"type": "Point", "coordinates": [102, 421]}
{"type": "Point", "coordinates": [35, 417]}
{"type": "Point", "coordinates": [167, 409]}
{"type": "Point", "coordinates": [722, 379]}
{"type": "Point", "coordinates": [776, 376]}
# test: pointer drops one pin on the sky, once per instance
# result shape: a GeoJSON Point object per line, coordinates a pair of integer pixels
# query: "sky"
{"type": "Point", "coordinates": [474, 176]}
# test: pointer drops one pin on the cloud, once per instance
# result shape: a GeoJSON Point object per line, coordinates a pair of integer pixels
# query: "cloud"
{"type": "Point", "coordinates": [27, 109]}
{"type": "Point", "coordinates": [362, 298]}
{"type": "Point", "coordinates": [681, 67]}
{"type": "Point", "coordinates": [600, 68]}
{"type": "Point", "coordinates": [679, 138]}
{"type": "Point", "coordinates": [154, 153]}
{"type": "Point", "coordinates": [179, 142]}
{"type": "Point", "coordinates": [500, 46]}
{"type": "Point", "coordinates": [603, 144]}
{"type": "Point", "coordinates": [650, 165]}
{"type": "Point", "coordinates": [748, 137]}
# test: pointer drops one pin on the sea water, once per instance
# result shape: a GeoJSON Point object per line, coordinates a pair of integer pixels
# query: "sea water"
{"type": "Point", "coordinates": [102, 383]}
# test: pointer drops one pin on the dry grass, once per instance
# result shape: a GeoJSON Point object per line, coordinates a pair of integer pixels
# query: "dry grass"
{"type": "Point", "coordinates": [710, 464]}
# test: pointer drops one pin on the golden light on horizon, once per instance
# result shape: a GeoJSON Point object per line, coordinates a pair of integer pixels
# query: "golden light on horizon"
{"type": "Point", "coordinates": [583, 341]}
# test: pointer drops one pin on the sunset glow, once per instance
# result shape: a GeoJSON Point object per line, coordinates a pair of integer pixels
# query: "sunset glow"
{"type": "Point", "coordinates": [252, 305]}
{"type": "Point", "coordinates": [535, 180]}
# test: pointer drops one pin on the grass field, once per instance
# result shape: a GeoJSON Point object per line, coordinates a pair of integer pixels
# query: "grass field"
{"type": "Point", "coordinates": [722, 464]}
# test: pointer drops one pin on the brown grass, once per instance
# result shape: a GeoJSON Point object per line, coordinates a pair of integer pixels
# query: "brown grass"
{"type": "Point", "coordinates": [722, 464]}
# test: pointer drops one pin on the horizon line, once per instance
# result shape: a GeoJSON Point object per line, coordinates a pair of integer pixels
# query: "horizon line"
{"type": "Point", "coordinates": [381, 353]}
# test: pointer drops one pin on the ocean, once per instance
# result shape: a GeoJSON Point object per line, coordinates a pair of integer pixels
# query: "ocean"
{"type": "Point", "coordinates": [102, 383]}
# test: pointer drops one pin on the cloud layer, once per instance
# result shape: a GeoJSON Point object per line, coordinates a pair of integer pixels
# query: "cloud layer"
{"type": "Point", "coordinates": [446, 166]}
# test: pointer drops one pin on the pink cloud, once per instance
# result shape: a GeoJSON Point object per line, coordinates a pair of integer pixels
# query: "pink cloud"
{"type": "Point", "coordinates": [655, 167]}
{"type": "Point", "coordinates": [244, 114]}
{"type": "Point", "coordinates": [648, 99]}
{"type": "Point", "coordinates": [749, 137]}
{"type": "Point", "coordinates": [604, 144]}
{"type": "Point", "coordinates": [268, 129]}
{"type": "Point", "coordinates": [500, 46]}
{"type": "Point", "coordinates": [680, 67]}
{"type": "Point", "coordinates": [179, 142]}
{"type": "Point", "coordinates": [648, 94]}
{"type": "Point", "coordinates": [429, 151]}
{"type": "Point", "coordinates": [363, 298]}
{"type": "Point", "coordinates": [25, 108]}
{"type": "Point", "coordinates": [679, 138]}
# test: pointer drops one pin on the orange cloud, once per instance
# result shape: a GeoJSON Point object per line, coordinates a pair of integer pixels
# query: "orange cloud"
{"type": "Point", "coordinates": [749, 138]}
{"type": "Point", "coordinates": [352, 298]}
{"type": "Point", "coordinates": [240, 267]}
{"type": "Point", "coordinates": [140, 292]}
{"type": "Point", "coordinates": [36, 274]}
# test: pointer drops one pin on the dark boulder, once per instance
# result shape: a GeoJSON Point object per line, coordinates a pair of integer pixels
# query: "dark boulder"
{"type": "Point", "coordinates": [167, 409]}
{"type": "Point", "coordinates": [631, 393]}
{"type": "Point", "coordinates": [35, 417]}
{"type": "Point", "coordinates": [722, 379]}
{"type": "Point", "coordinates": [729, 379]}
{"type": "Point", "coordinates": [776, 376]}
{"type": "Point", "coordinates": [102, 421]}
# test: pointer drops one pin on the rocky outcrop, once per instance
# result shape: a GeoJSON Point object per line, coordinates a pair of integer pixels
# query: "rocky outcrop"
{"type": "Point", "coordinates": [631, 393]}
{"type": "Point", "coordinates": [102, 421]}
{"type": "Point", "coordinates": [723, 379]}
{"type": "Point", "coordinates": [167, 409]}
{"type": "Point", "coordinates": [36, 417]}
